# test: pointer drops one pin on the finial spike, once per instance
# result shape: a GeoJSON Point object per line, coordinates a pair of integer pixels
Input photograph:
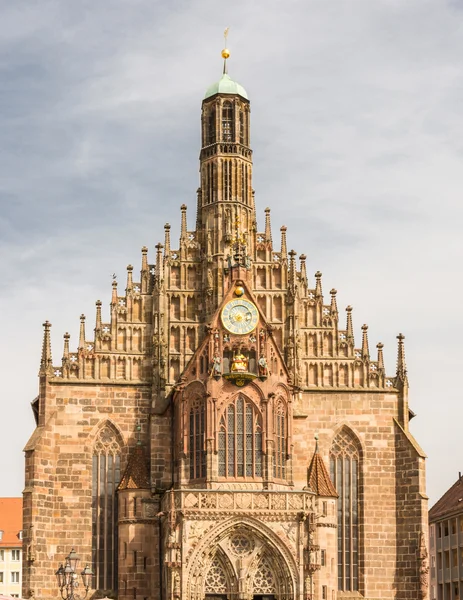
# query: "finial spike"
{"type": "Point", "coordinates": [349, 326]}
{"type": "Point", "coordinates": [144, 270]}
{"type": "Point", "coordinates": [114, 293]}
{"type": "Point", "coordinates": [292, 270]}
{"type": "Point", "coordinates": [318, 285]}
{"type": "Point", "coordinates": [167, 241]}
{"type": "Point", "coordinates": [284, 249]}
{"type": "Point", "coordinates": [334, 304]}
{"type": "Point", "coordinates": [401, 365]}
{"type": "Point", "coordinates": [82, 332]}
{"type": "Point", "coordinates": [129, 278]}
{"type": "Point", "coordinates": [268, 226]}
{"type": "Point", "coordinates": [365, 348]}
{"type": "Point", "coordinates": [159, 269]}
{"type": "Point", "coordinates": [183, 225]}
{"type": "Point", "coordinates": [304, 281]}
{"type": "Point", "coordinates": [380, 347]}
{"type": "Point", "coordinates": [98, 314]}
{"type": "Point", "coordinates": [66, 337]}
{"type": "Point", "coordinates": [46, 363]}
{"type": "Point", "coordinates": [225, 51]}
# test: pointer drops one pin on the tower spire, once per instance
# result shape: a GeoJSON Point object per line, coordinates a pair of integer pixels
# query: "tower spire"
{"type": "Point", "coordinates": [268, 227]}
{"type": "Point", "coordinates": [82, 332]}
{"type": "Point", "coordinates": [365, 348]}
{"type": "Point", "coordinates": [349, 326]}
{"type": "Point", "coordinates": [401, 365]}
{"type": "Point", "coordinates": [284, 248]}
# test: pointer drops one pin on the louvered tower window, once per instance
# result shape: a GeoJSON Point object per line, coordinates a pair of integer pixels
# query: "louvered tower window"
{"type": "Point", "coordinates": [240, 440]}
{"type": "Point", "coordinates": [106, 475]}
{"type": "Point", "coordinates": [227, 122]}
{"type": "Point", "coordinates": [196, 451]}
{"type": "Point", "coordinates": [345, 473]}
{"type": "Point", "coordinates": [279, 465]}
{"type": "Point", "coordinates": [210, 134]}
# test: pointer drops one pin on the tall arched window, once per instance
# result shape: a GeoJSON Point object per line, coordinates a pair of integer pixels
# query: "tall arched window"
{"type": "Point", "coordinates": [240, 440]}
{"type": "Point", "coordinates": [106, 476]}
{"type": "Point", "coordinates": [345, 474]}
{"type": "Point", "coordinates": [196, 450]}
{"type": "Point", "coordinates": [241, 127]}
{"type": "Point", "coordinates": [210, 135]}
{"type": "Point", "coordinates": [279, 465]}
{"type": "Point", "coordinates": [227, 122]}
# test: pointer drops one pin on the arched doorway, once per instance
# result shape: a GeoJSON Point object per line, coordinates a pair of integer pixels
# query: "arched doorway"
{"type": "Point", "coordinates": [242, 558]}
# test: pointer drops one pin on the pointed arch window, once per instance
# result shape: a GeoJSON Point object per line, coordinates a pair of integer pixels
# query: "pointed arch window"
{"type": "Point", "coordinates": [240, 440]}
{"type": "Point", "coordinates": [106, 476]}
{"type": "Point", "coordinates": [196, 451]}
{"type": "Point", "coordinates": [210, 135]}
{"type": "Point", "coordinates": [345, 474]}
{"type": "Point", "coordinates": [279, 465]}
{"type": "Point", "coordinates": [228, 122]}
{"type": "Point", "coordinates": [242, 127]}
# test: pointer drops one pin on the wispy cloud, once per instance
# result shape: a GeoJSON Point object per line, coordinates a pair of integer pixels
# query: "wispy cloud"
{"type": "Point", "coordinates": [357, 134]}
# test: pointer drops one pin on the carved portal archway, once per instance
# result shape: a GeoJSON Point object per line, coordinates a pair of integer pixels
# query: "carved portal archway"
{"type": "Point", "coordinates": [241, 558]}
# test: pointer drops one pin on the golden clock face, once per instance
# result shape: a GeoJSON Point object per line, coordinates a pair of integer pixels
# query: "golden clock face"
{"type": "Point", "coordinates": [240, 316]}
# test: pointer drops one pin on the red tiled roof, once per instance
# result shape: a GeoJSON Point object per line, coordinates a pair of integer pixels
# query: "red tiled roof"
{"type": "Point", "coordinates": [450, 502]}
{"type": "Point", "coordinates": [318, 479]}
{"type": "Point", "coordinates": [136, 475]}
{"type": "Point", "coordinates": [11, 522]}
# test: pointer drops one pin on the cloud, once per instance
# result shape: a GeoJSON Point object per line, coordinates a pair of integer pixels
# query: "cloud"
{"type": "Point", "coordinates": [356, 131]}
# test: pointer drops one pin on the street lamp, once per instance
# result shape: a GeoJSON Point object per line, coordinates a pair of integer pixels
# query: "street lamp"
{"type": "Point", "coordinates": [68, 580]}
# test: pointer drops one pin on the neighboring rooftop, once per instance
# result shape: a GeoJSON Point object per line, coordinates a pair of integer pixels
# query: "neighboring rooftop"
{"type": "Point", "coordinates": [450, 503]}
{"type": "Point", "coordinates": [11, 522]}
{"type": "Point", "coordinates": [318, 479]}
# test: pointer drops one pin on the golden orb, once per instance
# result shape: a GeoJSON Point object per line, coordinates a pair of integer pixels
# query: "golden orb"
{"type": "Point", "coordinates": [239, 290]}
{"type": "Point", "coordinates": [225, 53]}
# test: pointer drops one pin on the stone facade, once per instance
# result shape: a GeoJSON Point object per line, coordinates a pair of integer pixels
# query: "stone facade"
{"type": "Point", "coordinates": [175, 448]}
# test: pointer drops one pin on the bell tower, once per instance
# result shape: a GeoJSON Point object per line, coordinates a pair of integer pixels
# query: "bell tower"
{"type": "Point", "coordinates": [226, 208]}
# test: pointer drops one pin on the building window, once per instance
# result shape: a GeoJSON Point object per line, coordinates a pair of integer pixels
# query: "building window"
{"type": "Point", "coordinates": [240, 440]}
{"type": "Point", "coordinates": [14, 576]}
{"type": "Point", "coordinates": [196, 450]}
{"type": "Point", "coordinates": [323, 558]}
{"type": "Point", "coordinates": [241, 127]}
{"type": "Point", "coordinates": [279, 466]}
{"type": "Point", "coordinates": [2, 554]}
{"type": "Point", "coordinates": [106, 475]}
{"type": "Point", "coordinates": [227, 122]}
{"type": "Point", "coordinates": [20, 535]}
{"type": "Point", "coordinates": [1, 576]}
{"type": "Point", "coordinates": [345, 472]}
{"type": "Point", "coordinates": [210, 136]}
{"type": "Point", "coordinates": [15, 554]}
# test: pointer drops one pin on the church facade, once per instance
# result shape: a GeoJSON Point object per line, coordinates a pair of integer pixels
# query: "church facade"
{"type": "Point", "coordinates": [222, 436]}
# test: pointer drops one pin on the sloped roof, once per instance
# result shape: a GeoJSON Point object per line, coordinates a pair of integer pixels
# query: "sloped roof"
{"type": "Point", "coordinates": [318, 479]}
{"type": "Point", "coordinates": [450, 502]}
{"type": "Point", "coordinates": [11, 522]}
{"type": "Point", "coordinates": [136, 475]}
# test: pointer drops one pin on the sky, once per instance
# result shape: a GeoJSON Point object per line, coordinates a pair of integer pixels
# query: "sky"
{"type": "Point", "coordinates": [357, 133]}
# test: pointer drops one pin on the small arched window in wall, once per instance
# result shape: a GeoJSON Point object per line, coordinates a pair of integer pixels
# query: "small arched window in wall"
{"type": "Point", "coordinates": [106, 475]}
{"type": "Point", "coordinates": [345, 474]}
{"type": "Point", "coordinates": [196, 451]}
{"type": "Point", "coordinates": [279, 466]}
{"type": "Point", "coordinates": [227, 122]}
{"type": "Point", "coordinates": [240, 440]}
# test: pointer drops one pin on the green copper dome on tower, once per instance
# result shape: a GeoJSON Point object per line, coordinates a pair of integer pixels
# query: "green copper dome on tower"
{"type": "Point", "coordinates": [226, 85]}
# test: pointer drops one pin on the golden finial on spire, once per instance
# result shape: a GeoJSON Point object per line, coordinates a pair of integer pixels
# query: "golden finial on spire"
{"type": "Point", "coordinates": [225, 51]}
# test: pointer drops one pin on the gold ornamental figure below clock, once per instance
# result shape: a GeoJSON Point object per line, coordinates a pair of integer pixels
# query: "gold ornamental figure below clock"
{"type": "Point", "coordinates": [240, 316]}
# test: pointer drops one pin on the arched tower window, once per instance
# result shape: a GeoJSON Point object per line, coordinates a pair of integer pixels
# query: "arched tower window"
{"type": "Point", "coordinates": [106, 476]}
{"type": "Point", "coordinates": [345, 474]}
{"type": "Point", "coordinates": [196, 450]}
{"type": "Point", "coordinates": [279, 466]}
{"type": "Point", "coordinates": [210, 134]}
{"type": "Point", "coordinates": [242, 136]}
{"type": "Point", "coordinates": [227, 122]}
{"type": "Point", "coordinates": [240, 440]}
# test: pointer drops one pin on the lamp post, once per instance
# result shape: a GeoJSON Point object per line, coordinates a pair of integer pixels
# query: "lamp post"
{"type": "Point", "coordinates": [68, 580]}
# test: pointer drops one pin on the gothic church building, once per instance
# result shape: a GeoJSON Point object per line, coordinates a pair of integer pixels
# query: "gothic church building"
{"type": "Point", "coordinates": [222, 436]}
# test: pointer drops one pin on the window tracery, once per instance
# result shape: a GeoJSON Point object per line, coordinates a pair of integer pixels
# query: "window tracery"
{"type": "Point", "coordinates": [106, 475]}
{"type": "Point", "coordinates": [279, 466]}
{"type": "Point", "coordinates": [264, 580]}
{"type": "Point", "coordinates": [345, 473]}
{"type": "Point", "coordinates": [227, 122]}
{"type": "Point", "coordinates": [240, 440]}
{"type": "Point", "coordinates": [216, 579]}
{"type": "Point", "coordinates": [196, 451]}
